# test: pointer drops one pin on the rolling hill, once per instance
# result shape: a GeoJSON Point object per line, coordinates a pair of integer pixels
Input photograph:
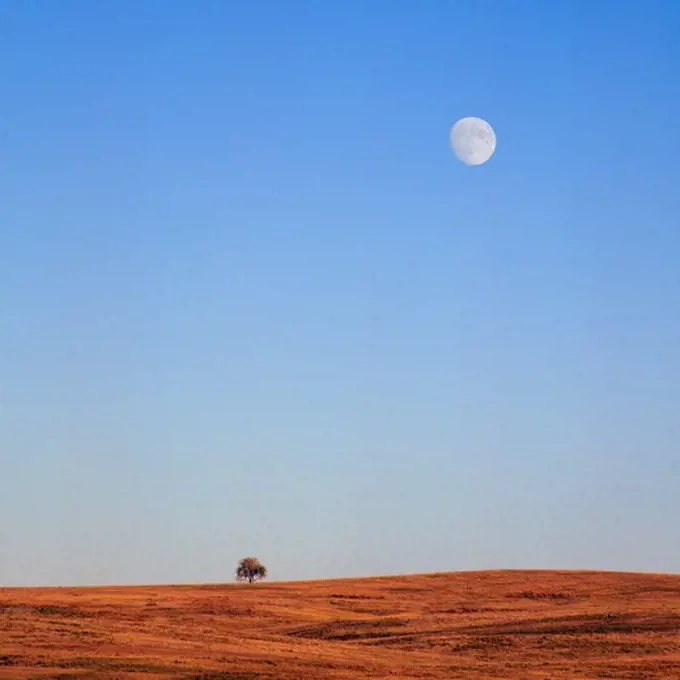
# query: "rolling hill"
{"type": "Point", "coordinates": [491, 625]}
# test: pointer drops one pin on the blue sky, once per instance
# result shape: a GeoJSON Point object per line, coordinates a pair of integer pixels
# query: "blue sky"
{"type": "Point", "coordinates": [250, 303]}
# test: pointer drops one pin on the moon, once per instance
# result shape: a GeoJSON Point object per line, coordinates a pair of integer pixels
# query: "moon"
{"type": "Point", "coordinates": [472, 140]}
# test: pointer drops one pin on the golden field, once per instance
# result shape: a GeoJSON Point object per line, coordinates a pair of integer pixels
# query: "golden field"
{"type": "Point", "coordinates": [491, 625]}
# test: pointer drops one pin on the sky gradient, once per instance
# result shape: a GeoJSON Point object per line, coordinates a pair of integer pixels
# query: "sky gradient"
{"type": "Point", "coordinates": [251, 304]}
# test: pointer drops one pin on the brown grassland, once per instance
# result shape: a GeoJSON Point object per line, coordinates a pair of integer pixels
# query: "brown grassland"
{"type": "Point", "coordinates": [494, 624]}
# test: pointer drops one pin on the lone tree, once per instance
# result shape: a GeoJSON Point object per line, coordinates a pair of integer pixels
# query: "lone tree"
{"type": "Point", "coordinates": [250, 569]}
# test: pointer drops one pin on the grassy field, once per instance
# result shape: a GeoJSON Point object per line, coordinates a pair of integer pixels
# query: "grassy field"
{"type": "Point", "coordinates": [495, 624]}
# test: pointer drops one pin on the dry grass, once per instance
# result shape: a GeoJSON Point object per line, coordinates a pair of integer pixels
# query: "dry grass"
{"type": "Point", "coordinates": [491, 625]}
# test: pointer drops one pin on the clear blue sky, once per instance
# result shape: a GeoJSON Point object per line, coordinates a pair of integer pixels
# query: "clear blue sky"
{"type": "Point", "coordinates": [250, 303]}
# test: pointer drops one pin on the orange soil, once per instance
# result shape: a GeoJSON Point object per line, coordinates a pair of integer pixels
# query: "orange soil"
{"type": "Point", "coordinates": [500, 625]}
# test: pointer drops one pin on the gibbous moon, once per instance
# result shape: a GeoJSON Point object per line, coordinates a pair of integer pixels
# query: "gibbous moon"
{"type": "Point", "coordinates": [473, 141]}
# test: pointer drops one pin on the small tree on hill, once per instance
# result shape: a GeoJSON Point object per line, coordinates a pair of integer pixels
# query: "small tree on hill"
{"type": "Point", "coordinates": [250, 569]}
